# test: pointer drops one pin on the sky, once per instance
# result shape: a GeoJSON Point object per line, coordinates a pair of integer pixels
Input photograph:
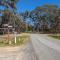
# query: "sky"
{"type": "Point", "coordinates": [29, 5]}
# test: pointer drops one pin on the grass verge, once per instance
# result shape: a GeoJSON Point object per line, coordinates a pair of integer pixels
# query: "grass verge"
{"type": "Point", "coordinates": [55, 36]}
{"type": "Point", "coordinates": [21, 39]}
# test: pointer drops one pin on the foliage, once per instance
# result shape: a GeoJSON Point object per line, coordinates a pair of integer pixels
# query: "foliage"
{"type": "Point", "coordinates": [46, 18]}
{"type": "Point", "coordinates": [9, 3]}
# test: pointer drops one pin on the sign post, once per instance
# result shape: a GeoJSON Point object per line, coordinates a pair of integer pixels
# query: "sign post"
{"type": "Point", "coordinates": [8, 33]}
{"type": "Point", "coordinates": [8, 27]}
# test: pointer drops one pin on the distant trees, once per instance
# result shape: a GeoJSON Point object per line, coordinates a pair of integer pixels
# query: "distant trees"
{"type": "Point", "coordinates": [46, 18]}
{"type": "Point", "coordinates": [26, 15]}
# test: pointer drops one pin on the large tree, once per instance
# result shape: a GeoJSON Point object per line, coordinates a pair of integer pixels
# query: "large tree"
{"type": "Point", "coordinates": [9, 3]}
{"type": "Point", "coordinates": [8, 16]}
{"type": "Point", "coordinates": [46, 17]}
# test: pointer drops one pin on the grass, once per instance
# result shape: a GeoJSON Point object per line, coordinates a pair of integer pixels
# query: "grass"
{"type": "Point", "coordinates": [56, 36]}
{"type": "Point", "coordinates": [19, 40]}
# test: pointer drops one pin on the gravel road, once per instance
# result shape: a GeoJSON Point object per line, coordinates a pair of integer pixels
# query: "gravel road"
{"type": "Point", "coordinates": [38, 47]}
{"type": "Point", "coordinates": [46, 48]}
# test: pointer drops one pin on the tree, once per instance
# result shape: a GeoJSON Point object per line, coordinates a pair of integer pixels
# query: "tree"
{"type": "Point", "coordinates": [9, 3]}
{"type": "Point", "coordinates": [8, 15]}
{"type": "Point", "coordinates": [46, 17]}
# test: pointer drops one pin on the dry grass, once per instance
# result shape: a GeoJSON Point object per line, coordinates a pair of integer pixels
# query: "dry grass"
{"type": "Point", "coordinates": [56, 36]}
{"type": "Point", "coordinates": [21, 38]}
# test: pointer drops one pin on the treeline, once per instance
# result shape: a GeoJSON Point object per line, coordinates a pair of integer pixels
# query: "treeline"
{"type": "Point", "coordinates": [46, 18]}
{"type": "Point", "coordinates": [13, 20]}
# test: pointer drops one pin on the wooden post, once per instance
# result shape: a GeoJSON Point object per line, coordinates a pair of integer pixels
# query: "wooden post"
{"type": "Point", "coordinates": [8, 34]}
{"type": "Point", "coordinates": [15, 38]}
{"type": "Point", "coordinates": [9, 37]}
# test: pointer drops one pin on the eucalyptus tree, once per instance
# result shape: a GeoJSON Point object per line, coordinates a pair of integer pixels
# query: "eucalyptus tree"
{"type": "Point", "coordinates": [53, 16]}
{"type": "Point", "coordinates": [38, 16]}
{"type": "Point", "coordinates": [9, 3]}
{"type": "Point", "coordinates": [46, 17]}
{"type": "Point", "coordinates": [10, 6]}
{"type": "Point", "coordinates": [26, 15]}
{"type": "Point", "coordinates": [8, 14]}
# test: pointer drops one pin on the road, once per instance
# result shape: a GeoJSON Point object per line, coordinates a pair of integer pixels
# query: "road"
{"type": "Point", "coordinates": [23, 52]}
{"type": "Point", "coordinates": [46, 48]}
{"type": "Point", "coordinates": [38, 47]}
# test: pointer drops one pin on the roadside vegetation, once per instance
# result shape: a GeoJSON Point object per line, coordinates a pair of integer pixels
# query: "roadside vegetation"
{"type": "Point", "coordinates": [22, 39]}
{"type": "Point", "coordinates": [55, 36]}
